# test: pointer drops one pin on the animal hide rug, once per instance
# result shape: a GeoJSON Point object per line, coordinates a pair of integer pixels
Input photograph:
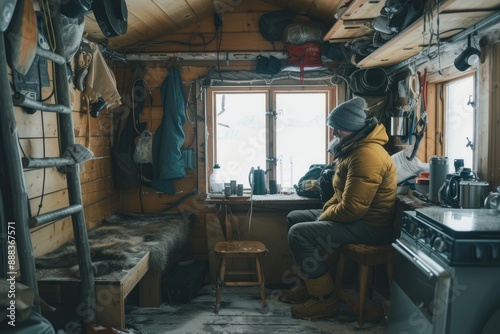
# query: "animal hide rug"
{"type": "Point", "coordinates": [120, 240]}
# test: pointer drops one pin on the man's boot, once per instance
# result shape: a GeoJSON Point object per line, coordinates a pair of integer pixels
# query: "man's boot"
{"type": "Point", "coordinates": [296, 295]}
{"type": "Point", "coordinates": [323, 302]}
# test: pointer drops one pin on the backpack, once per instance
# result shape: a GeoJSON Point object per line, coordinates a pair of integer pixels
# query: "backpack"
{"type": "Point", "coordinates": [308, 185]}
{"type": "Point", "coordinates": [271, 25]}
{"type": "Point", "coordinates": [304, 55]}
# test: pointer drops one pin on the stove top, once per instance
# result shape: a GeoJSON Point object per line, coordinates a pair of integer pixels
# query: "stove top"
{"type": "Point", "coordinates": [463, 223]}
{"type": "Point", "coordinates": [455, 236]}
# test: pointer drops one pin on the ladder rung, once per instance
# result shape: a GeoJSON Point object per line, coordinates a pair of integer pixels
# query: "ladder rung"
{"type": "Point", "coordinates": [47, 162]}
{"type": "Point", "coordinates": [21, 100]}
{"type": "Point", "coordinates": [50, 56]}
{"type": "Point", "coordinates": [54, 215]}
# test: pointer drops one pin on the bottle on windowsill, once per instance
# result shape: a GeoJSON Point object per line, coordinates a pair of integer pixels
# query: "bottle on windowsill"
{"type": "Point", "coordinates": [217, 180]}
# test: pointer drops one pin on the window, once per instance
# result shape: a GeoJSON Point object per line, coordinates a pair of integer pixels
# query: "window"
{"type": "Point", "coordinates": [280, 130]}
{"type": "Point", "coordinates": [459, 121]}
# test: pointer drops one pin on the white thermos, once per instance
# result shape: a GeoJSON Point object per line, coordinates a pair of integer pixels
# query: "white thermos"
{"type": "Point", "coordinates": [438, 168]}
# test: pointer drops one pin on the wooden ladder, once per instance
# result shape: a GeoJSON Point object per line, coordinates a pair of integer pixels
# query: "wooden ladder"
{"type": "Point", "coordinates": [15, 164]}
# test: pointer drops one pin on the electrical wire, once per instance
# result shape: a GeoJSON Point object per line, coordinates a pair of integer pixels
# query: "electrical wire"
{"type": "Point", "coordinates": [188, 105]}
{"type": "Point", "coordinates": [219, 43]}
{"type": "Point", "coordinates": [179, 201]}
{"type": "Point", "coordinates": [150, 104]}
{"type": "Point", "coordinates": [250, 211]}
{"type": "Point", "coordinates": [137, 131]}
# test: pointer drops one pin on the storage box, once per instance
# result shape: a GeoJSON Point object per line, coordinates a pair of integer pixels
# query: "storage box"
{"type": "Point", "coordinates": [183, 282]}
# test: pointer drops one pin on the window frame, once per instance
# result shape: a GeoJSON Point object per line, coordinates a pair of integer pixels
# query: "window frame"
{"type": "Point", "coordinates": [271, 135]}
{"type": "Point", "coordinates": [446, 127]}
{"type": "Point", "coordinates": [436, 145]}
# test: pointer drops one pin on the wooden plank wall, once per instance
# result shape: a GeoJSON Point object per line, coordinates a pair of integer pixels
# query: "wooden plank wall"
{"type": "Point", "coordinates": [240, 32]}
{"type": "Point", "coordinates": [47, 189]}
{"type": "Point", "coordinates": [142, 198]}
{"type": "Point", "coordinates": [489, 154]}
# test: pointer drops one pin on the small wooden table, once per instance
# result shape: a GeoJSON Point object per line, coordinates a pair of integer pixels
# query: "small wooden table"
{"type": "Point", "coordinates": [224, 202]}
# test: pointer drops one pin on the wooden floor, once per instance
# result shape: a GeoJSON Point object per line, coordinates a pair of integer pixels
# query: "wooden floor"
{"type": "Point", "coordinates": [240, 313]}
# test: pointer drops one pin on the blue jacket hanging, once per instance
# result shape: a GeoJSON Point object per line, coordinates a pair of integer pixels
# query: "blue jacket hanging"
{"type": "Point", "coordinates": [168, 163]}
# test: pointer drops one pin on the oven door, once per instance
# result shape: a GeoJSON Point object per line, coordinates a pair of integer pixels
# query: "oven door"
{"type": "Point", "coordinates": [419, 293]}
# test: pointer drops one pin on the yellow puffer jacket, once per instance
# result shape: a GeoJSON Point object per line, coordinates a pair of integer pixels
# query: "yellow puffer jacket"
{"type": "Point", "coordinates": [364, 183]}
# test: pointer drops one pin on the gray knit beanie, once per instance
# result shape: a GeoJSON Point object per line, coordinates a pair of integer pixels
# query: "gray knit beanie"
{"type": "Point", "coordinates": [349, 116]}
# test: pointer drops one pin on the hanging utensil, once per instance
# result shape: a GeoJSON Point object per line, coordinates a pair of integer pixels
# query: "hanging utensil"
{"type": "Point", "coordinates": [21, 37]}
{"type": "Point", "coordinates": [419, 128]}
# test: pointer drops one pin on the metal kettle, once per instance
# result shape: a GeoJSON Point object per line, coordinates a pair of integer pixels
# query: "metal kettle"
{"type": "Point", "coordinates": [257, 180]}
{"type": "Point", "coordinates": [449, 193]}
{"type": "Point", "coordinates": [463, 190]}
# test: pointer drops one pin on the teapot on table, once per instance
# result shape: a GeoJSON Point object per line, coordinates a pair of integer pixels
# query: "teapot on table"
{"type": "Point", "coordinates": [257, 180]}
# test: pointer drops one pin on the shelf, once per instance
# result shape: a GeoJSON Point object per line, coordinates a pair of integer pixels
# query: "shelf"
{"type": "Point", "coordinates": [454, 17]}
{"type": "Point", "coordinates": [355, 22]}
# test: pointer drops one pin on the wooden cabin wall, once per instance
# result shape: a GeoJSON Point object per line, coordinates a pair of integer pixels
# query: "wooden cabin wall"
{"type": "Point", "coordinates": [239, 33]}
{"type": "Point", "coordinates": [100, 199]}
{"type": "Point", "coordinates": [489, 107]}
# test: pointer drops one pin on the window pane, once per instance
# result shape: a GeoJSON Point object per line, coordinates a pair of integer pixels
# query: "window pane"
{"type": "Point", "coordinates": [459, 121]}
{"type": "Point", "coordinates": [241, 133]}
{"type": "Point", "coordinates": [301, 134]}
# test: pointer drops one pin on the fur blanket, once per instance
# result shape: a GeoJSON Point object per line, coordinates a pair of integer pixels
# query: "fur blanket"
{"type": "Point", "coordinates": [117, 242]}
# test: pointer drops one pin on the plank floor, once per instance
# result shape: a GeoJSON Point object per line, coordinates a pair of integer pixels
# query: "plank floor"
{"type": "Point", "coordinates": [240, 313]}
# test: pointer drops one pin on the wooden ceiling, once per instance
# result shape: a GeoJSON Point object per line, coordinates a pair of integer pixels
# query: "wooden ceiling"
{"type": "Point", "coordinates": [149, 20]}
{"type": "Point", "coordinates": [152, 24]}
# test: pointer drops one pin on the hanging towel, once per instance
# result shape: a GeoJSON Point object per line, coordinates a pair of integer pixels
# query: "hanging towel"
{"type": "Point", "coordinates": [168, 161]}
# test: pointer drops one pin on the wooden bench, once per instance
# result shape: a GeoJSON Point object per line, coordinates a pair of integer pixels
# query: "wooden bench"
{"type": "Point", "coordinates": [61, 286]}
{"type": "Point", "coordinates": [111, 290]}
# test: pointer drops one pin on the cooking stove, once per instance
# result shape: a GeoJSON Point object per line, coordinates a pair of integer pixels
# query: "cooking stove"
{"type": "Point", "coordinates": [446, 272]}
{"type": "Point", "coordinates": [455, 237]}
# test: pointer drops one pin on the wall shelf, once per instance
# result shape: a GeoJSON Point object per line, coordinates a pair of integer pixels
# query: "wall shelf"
{"type": "Point", "coordinates": [454, 16]}
{"type": "Point", "coordinates": [355, 21]}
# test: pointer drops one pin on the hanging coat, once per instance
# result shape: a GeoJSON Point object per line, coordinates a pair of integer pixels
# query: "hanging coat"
{"type": "Point", "coordinates": [168, 163]}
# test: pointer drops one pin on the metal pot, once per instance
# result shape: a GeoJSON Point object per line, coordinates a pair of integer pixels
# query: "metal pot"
{"type": "Point", "coordinates": [473, 193]}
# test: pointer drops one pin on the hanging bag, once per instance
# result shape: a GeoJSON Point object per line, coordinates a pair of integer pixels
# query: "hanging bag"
{"type": "Point", "coordinates": [271, 25]}
{"type": "Point", "coordinates": [143, 152]}
{"type": "Point", "coordinates": [304, 55]}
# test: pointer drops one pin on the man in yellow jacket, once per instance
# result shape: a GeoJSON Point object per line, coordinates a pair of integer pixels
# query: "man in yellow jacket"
{"type": "Point", "coordinates": [360, 210]}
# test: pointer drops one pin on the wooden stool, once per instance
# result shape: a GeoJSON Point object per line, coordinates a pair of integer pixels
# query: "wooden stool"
{"type": "Point", "coordinates": [239, 249]}
{"type": "Point", "coordinates": [366, 257]}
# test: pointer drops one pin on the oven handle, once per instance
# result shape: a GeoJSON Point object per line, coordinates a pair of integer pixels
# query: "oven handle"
{"type": "Point", "coordinates": [413, 257]}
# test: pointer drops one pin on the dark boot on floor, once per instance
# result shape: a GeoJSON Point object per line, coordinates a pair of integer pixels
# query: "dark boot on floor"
{"type": "Point", "coordinates": [322, 304]}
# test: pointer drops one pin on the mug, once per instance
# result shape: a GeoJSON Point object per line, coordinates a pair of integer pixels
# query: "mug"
{"type": "Point", "coordinates": [492, 201]}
